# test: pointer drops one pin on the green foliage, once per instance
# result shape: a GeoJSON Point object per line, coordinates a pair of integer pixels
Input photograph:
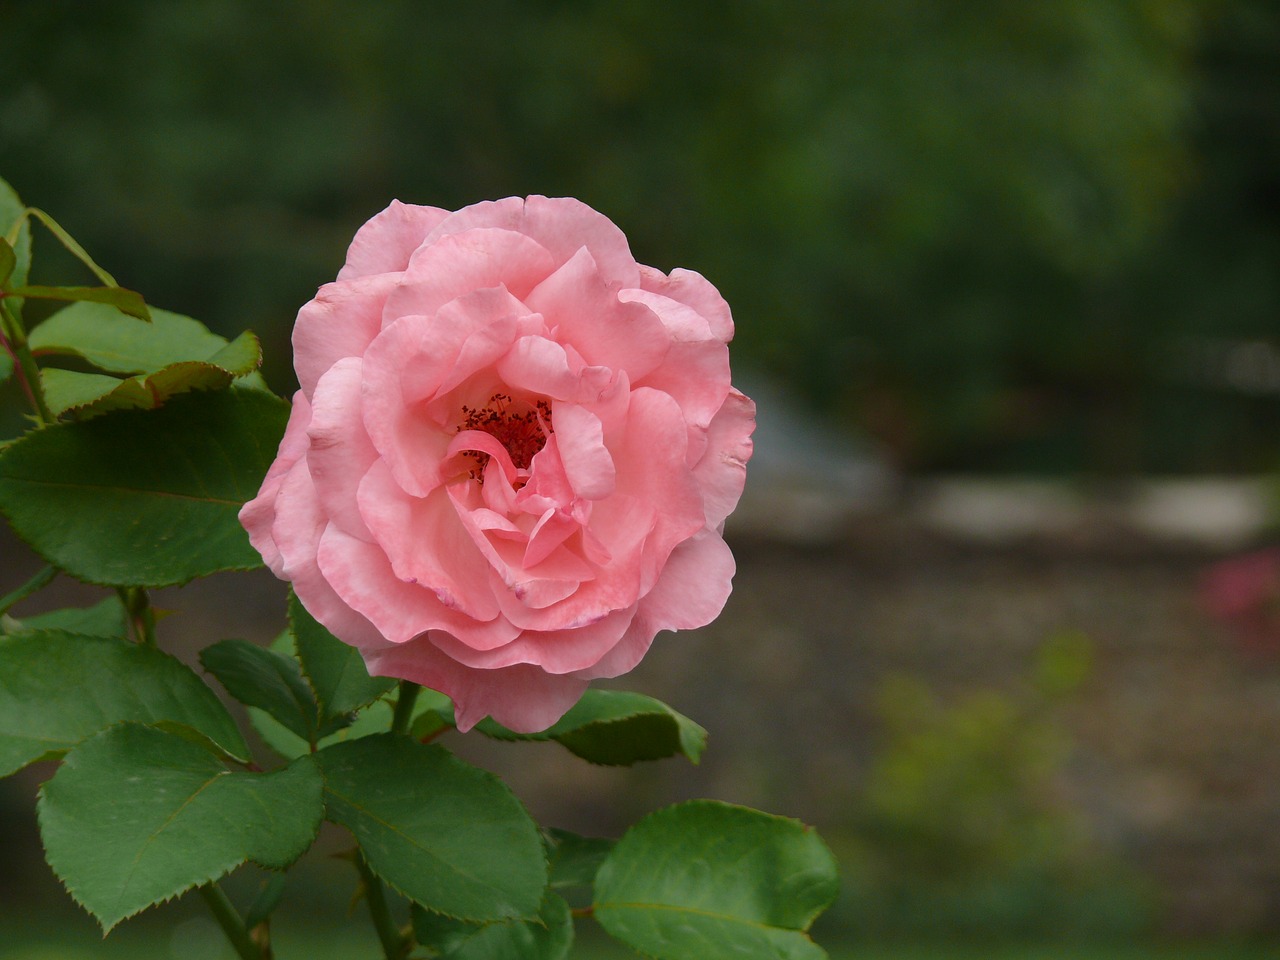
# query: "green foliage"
{"type": "Point", "coordinates": [268, 680]}
{"type": "Point", "coordinates": [707, 879]}
{"type": "Point", "coordinates": [961, 825]}
{"type": "Point", "coordinates": [335, 669]}
{"type": "Point", "coordinates": [617, 728]}
{"type": "Point", "coordinates": [178, 819]}
{"type": "Point", "coordinates": [94, 499]}
{"type": "Point", "coordinates": [548, 936]}
{"type": "Point", "coordinates": [448, 836]}
{"type": "Point", "coordinates": [44, 709]}
{"type": "Point", "coordinates": [104, 619]}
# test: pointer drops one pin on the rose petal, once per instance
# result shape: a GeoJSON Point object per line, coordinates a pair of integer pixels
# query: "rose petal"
{"type": "Point", "coordinates": [523, 697]}
{"type": "Point", "coordinates": [586, 313]}
{"type": "Point", "coordinates": [340, 453]}
{"type": "Point", "coordinates": [387, 241]}
{"type": "Point", "coordinates": [426, 543]}
{"type": "Point", "coordinates": [579, 437]}
{"type": "Point", "coordinates": [560, 224]}
{"type": "Point", "coordinates": [259, 514]}
{"type": "Point", "coordinates": [722, 471]}
{"type": "Point", "coordinates": [362, 576]}
{"type": "Point", "coordinates": [340, 322]}
{"type": "Point", "coordinates": [460, 263]}
{"type": "Point", "coordinates": [692, 288]}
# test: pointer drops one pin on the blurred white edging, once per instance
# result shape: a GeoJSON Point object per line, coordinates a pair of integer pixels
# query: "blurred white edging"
{"type": "Point", "coordinates": [805, 479]}
{"type": "Point", "coordinates": [1212, 512]}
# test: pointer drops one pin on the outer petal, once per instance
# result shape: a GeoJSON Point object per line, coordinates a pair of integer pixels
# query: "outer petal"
{"type": "Point", "coordinates": [691, 592]}
{"type": "Point", "coordinates": [523, 697]}
{"type": "Point", "coordinates": [259, 514]}
{"type": "Point", "coordinates": [361, 575]}
{"type": "Point", "coordinates": [461, 263]}
{"type": "Point", "coordinates": [692, 288]}
{"type": "Point", "coordinates": [340, 322]}
{"type": "Point", "coordinates": [695, 370]}
{"type": "Point", "coordinates": [299, 525]}
{"type": "Point", "coordinates": [387, 241]}
{"type": "Point", "coordinates": [722, 471]}
{"type": "Point", "coordinates": [561, 224]}
{"type": "Point", "coordinates": [340, 453]}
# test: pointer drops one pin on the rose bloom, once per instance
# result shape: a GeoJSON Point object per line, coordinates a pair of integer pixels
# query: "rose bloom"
{"type": "Point", "coordinates": [511, 457]}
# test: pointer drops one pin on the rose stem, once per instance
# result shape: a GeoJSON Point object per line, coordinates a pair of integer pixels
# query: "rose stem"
{"type": "Point", "coordinates": [231, 924]}
{"type": "Point", "coordinates": [404, 706]}
{"type": "Point", "coordinates": [38, 582]}
{"type": "Point", "coordinates": [15, 343]}
{"type": "Point", "coordinates": [393, 943]}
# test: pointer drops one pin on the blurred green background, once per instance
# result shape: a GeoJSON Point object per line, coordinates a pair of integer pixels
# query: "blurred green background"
{"type": "Point", "coordinates": [1008, 236]}
{"type": "Point", "coordinates": [1001, 238]}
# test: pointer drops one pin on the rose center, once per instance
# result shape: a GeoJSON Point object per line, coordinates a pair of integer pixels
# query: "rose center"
{"type": "Point", "coordinates": [520, 426]}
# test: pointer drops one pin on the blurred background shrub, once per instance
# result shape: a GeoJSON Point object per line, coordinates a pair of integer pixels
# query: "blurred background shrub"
{"type": "Point", "coordinates": [999, 236]}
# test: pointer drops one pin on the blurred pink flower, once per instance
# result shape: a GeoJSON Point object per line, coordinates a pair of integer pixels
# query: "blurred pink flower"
{"type": "Point", "coordinates": [1244, 592]}
{"type": "Point", "coordinates": [511, 457]}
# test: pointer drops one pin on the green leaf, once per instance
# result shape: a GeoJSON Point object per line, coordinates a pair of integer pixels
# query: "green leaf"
{"type": "Point", "coordinates": [104, 619]}
{"type": "Point", "coordinates": [8, 261]}
{"type": "Point", "coordinates": [336, 669]}
{"type": "Point", "coordinates": [127, 301]}
{"type": "Point", "coordinates": [135, 816]}
{"type": "Point", "coordinates": [101, 335]}
{"type": "Point", "coordinates": [704, 880]}
{"type": "Point", "coordinates": [144, 498]}
{"type": "Point", "coordinates": [449, 836]}
{"type": "Point", "coordinates": [58, 688]}
{"type": "Point", "coordinates": [265, 679]}
{"type": "Point", "coordinates": [617, 728]}
{"type": "Point", "coordinates": [375, 718]}
{"type": "Point", "coordinates": [70, 243]}
{"type": "Point", "coordinates": [85, 395]}
{"type": "Point", "coordinates": [574, 860]}
{"type": "Point", "coordinates": [548, 937]}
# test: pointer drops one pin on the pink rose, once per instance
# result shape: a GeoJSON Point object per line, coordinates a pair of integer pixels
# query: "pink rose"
{"type": "Point", "coordinates": [511, 456]}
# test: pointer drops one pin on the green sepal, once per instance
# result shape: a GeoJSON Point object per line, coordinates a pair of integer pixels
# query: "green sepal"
{"type": "Point", "coordinates": [57, 688]}
{"type": "Point", "coordinates": [443, 833]}
{"type": "Point", "coordinates": [704, 880]}
{"type": "Point", "coordinates": [135, 816]}
{"type": "Point", "coordinates": [145, 498]}
{"type": "Point", "coordinates": [547, 937]}
{"type": "Point", "coordinates": [617, 728]}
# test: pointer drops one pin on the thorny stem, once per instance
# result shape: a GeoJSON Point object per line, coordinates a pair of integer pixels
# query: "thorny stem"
{"type": "Point", "coordinates": [15, 344]}
{"type": "Point", "coordinates": [394, 944]}
{"type": "Point", "coordinates": [232, 925]}
{"type": "Point", "coordinates": [38, 582]}
{"type": "Point", "coordinates": [404, 706]}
